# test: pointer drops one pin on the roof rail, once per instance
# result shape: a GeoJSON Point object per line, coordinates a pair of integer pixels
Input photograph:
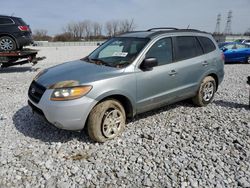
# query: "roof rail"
{"type": "Point", "coordinates": [162, 28]}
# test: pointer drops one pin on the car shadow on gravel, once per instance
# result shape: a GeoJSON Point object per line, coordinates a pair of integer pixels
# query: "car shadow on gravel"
{"type": "Point", "coordinates": [33, 126]}
{"type": "Point", "coordinates": [231, 104]}
{"type": "Point", "coordinates": [18, 69]}
{"type": "Point", "coordinates": [184, 103]}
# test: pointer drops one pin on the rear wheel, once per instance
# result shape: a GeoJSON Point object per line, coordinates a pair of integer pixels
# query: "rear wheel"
{"type": "Point", "coordinates": [7, 44]}
{"type": "Point", "coordinates": [248, 60]}
{"type": "Point", "coordinates": [106, 121]}
{"type": "Point", "coordinates": [206, 92]}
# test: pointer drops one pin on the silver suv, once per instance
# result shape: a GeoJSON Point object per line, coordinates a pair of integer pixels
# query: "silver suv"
{"type": "Point", "coordinates": [127, 75]}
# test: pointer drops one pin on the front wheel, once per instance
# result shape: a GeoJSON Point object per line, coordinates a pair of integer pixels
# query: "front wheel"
{"type": "Point", "coordinates": [106, 120]}
{"type": "Point", "coordinates": [7, 44]}
{"type": "Point", "coordinates": [206, 92]}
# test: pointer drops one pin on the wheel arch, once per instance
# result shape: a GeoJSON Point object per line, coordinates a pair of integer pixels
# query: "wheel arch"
{"type": "Point", "coordinates": [125, 101]}
{"type": "Point", "coordinates": [215, 78]}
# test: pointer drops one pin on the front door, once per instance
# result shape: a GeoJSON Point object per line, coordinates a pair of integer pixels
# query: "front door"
{"type": "Point", "coordinates": [156, 87]}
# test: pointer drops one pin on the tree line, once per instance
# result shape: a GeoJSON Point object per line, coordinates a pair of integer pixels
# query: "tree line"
{"type": "Point", "coordinates": [87, 30]}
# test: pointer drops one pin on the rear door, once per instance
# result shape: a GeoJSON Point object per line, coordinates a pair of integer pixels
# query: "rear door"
{"type": "Point", "coordinates": [190, 65]}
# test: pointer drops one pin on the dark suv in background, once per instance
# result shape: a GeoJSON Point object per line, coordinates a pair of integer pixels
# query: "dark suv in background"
{"type": "Point", "coordinates": [14, 33]}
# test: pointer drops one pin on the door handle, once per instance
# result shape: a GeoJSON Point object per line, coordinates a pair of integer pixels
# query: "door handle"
{"type": "Point", "coordinates": [172, 73]}
{"type": "Point", "coordinates": [205, 63]}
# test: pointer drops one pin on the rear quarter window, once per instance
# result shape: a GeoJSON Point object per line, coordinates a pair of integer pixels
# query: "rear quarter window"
{"type": "Point", "coordinates": [187, 47]}
{"type": "Point", "coordinates": [21, 22]}
{"type": "Point", "coordinates": [5, 21]}
{"type": "Point", "coordinates": [207, 44]}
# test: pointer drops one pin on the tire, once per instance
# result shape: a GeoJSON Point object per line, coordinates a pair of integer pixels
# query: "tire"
{"type": "Point", "coordinates": [7, 44]}
{"type": "Point", "coordinates": [106, 120]}
{"type": "Point", "coordinates": [248, 60]}
{"type": "Point", "coordinates": [206, 92]}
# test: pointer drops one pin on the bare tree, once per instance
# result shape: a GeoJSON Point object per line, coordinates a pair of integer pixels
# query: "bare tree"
{"type": "Point", "coordinates": [97, 29]}
{"type": "Point", "coordinates": [63, 37]}
{"type": "Point", "coordinates": [126, 26]}
{"type": "Point", "coordinates": [108, 27]}
{"type": "Point", "coordinates": [72, 28]}
{"type": "Point", "coordinates": [115, 27]}
{"type": "Point", "coordinates": [41, 34]}
{"type": "Point", "coordinates": [112, 27]}
{"type": "Point", "coordinates": [88, 30]}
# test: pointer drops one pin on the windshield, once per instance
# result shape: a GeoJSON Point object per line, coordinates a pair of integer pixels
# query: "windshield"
{"type": "Point", "coordinates": [118, 52]}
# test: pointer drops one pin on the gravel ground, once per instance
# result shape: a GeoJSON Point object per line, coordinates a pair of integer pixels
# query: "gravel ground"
{"type": "Point", "coordinates": [176, 146]}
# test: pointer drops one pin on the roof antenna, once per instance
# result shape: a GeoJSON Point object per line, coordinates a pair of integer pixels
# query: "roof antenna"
{"type": "Point", "coordinates": [188, 26]}
{"type": "Point", "coordinates": [12, 14]}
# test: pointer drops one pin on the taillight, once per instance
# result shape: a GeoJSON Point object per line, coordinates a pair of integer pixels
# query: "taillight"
{"type": "Point", "coordinates": [223, 56]}
{"type": "Point", "coordinates": [24, 28]}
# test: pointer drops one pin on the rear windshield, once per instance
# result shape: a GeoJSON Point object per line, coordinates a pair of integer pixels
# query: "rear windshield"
{"type": "Point", "coordinates": [20, 20]}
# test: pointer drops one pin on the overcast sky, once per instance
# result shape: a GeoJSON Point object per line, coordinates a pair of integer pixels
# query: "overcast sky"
{"type": "Point", "coordinates": [53, 15]}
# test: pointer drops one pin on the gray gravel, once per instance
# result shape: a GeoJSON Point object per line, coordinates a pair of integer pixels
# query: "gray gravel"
{"type": "Point", "coordinates": [176, 146]}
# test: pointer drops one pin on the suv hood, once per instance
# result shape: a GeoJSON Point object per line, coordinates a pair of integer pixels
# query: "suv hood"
{"type": "Point", "coordinates": [79, 72]}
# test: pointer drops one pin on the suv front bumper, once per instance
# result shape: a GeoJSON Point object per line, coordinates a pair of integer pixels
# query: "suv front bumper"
{"type": "Point", "coordinates": [68, 115]}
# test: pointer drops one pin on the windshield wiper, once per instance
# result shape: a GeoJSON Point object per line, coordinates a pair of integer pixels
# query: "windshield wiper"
{"type": "Point", "coordinates": [99, 61]}
{"type": "Point", "coordinates": [122, 64]}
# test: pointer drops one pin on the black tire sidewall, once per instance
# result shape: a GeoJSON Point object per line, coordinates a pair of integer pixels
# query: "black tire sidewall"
{"type": "Point", "coordinates": [95, 120]}
{"type": "Point", "coordinates": [248, 60]}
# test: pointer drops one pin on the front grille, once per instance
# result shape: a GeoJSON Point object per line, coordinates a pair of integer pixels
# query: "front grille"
{"type": "Point", "coordinates": [35, 109]}
{"type": "Point", "coordinates": [36, 92]}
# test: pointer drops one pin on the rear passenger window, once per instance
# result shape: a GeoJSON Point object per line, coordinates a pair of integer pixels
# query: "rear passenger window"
{"type": "Point", "coordinates": [187, 47]}
{"type": "Point", "coordinates": [207, 44]}
{"type": "Point", "coordinates": [4, 21]}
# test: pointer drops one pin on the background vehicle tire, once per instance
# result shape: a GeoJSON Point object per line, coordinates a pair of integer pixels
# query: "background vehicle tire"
{"type": "Point", "coordinates": [106, 121]}
{"type": "Point", "coordinates": [248, 60]}
{"type": "Point", "coordinates": [206, 92]}
{"type": "Point", "coordinates": [7, 44]}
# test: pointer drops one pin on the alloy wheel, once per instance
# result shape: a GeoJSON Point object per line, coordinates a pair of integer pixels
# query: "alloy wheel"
{"type": "Point", "coordinates": [112, 121]}
{"type": "Point", "coordinates": [6, 44]}
{"type": "Point", "coordinates": [208, 91]}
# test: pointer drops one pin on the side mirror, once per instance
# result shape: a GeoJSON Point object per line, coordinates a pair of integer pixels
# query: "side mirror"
{"type": "Point", "coordinates": [224, 49]}
{"type": "Point", "coordinates": [148, 63]}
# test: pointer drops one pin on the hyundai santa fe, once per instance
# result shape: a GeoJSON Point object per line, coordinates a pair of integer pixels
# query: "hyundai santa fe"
{"type": "Point", "coordinates": [14, 33]}
{"type": "Point", "coordinates": [127, 75]}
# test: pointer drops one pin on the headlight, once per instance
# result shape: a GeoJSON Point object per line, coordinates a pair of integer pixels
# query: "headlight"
{"type": "Point", "coordinates": [63, 94]}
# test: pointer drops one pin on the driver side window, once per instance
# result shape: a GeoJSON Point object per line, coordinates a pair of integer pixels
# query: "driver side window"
{"type": "Point", "coordinates": [162, 51]}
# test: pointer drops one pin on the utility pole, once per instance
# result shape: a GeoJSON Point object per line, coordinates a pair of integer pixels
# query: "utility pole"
{"type": "Point", "coordinates": [217, 27]}
{"type": "Point", "coordinates": [228, 29]}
